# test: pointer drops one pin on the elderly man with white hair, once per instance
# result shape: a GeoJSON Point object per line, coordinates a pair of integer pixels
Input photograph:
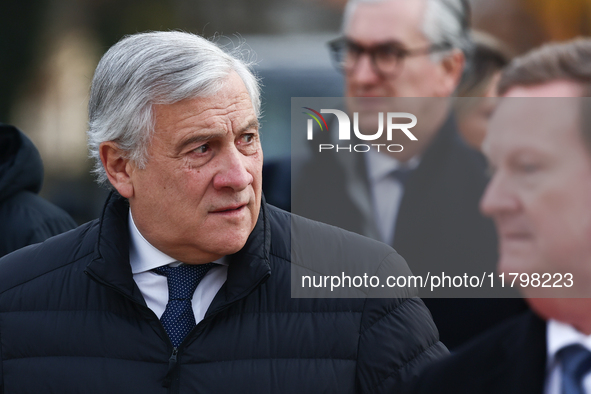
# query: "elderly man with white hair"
{"type": "Point", "coordinates": [183, 285]}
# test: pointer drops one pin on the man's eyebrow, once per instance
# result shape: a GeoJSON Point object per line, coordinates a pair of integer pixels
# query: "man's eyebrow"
{"type": "Point", "coordinates": [253, 124]}
{"type": "Point", "coordinates": [195, 139]}
{"type": "Point", "coordinates": [381, 44]}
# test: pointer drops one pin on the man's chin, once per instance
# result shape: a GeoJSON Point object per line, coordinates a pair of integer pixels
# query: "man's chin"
{"type": "Point", "coordinates": [571, 311]}
{"type": "Point", "coordinates": [214, 252]}
{"type": "Point", "coordinates": [229, 243]}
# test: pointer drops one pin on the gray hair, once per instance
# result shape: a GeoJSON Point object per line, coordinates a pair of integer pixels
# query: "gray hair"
{"type": "Point", "coordinates": [444, 22]}
{"type": "Point", "coordinates": [154, 68]}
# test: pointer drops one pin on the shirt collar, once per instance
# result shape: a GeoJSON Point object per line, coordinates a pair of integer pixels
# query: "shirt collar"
{"type": "Point", "coordinates": [561, 335]}
{"type": "Point", "coordinates": [143, 256]}
{"type": "Point", "coordinates": [380, 165]}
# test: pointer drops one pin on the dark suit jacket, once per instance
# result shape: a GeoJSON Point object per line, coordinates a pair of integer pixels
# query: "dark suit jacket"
{"type": "Point", "coordinates": [439, 226]}
{"type": "Point", "coordinates": [511, 358]}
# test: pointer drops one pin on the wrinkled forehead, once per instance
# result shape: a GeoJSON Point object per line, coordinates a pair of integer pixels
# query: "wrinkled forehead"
{"type": "Point", "coordinates": [382, 21]}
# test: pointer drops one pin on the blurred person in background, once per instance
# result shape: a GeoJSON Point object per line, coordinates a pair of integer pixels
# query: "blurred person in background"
{"type": "Point", "coordinates": [479, 83]}
{"type": "Point", "coordinates": [25, 218]}
{"type": "Point", "coordinates": [540, 151]}
{"type": "Point", "coordinates": [424, 200]}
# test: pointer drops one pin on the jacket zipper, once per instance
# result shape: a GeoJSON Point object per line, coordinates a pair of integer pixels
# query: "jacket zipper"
{"type": "Point", "coordinates": [170, 379]}
{"type": "Point", "coordinates": [172, 362]}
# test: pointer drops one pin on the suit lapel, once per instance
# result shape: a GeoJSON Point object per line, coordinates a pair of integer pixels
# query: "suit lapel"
{"type": "Point", "coordinates": [522, 367]}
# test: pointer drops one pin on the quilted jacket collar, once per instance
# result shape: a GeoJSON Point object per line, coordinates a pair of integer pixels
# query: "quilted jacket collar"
{"type": "Point", "coordinates": [110, 265]}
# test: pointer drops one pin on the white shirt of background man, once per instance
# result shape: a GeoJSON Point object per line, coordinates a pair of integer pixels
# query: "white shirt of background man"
{"type": "Point", "coordinates": [386, 191]}
{"type": "Point", "coordinates": [560, 335]}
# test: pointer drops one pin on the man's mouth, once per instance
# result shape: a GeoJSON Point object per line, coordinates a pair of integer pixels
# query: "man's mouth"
{"type": "Point", "coordinates": [230, 208]}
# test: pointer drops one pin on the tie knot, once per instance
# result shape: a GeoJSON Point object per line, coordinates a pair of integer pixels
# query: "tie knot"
{"type": "Point", "coordinates": [401, 174]}
{"type": "Point", "coordinates": [183, 280]}
{"type": "Point", "coordinates": [575, 362]}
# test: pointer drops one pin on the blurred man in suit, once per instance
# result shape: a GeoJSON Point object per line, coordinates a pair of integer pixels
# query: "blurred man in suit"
{"type": "Point", "coordinates": [424, 199]}
{"type": "Point", "coordinates": [540, 151]}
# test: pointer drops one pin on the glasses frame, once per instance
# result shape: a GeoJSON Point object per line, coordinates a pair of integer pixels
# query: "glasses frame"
{"type": "Point", "coordinates": [339, 46]}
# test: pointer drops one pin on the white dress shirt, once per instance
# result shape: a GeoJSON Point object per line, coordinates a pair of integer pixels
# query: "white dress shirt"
{"type": "Point", "coordinates": [559, 335]}
{"type": "Point", "coordinates": [386, 190]}
{"type": "Point", "coordinates": [144, 257]}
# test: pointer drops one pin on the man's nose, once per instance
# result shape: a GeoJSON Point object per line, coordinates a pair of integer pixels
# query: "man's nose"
{"type": "Point", "coordinates": [499, 197]}
{"type": "Point", "coordinates": [233, 172]}
{"type": "Point", "coordinates": [364, 71]}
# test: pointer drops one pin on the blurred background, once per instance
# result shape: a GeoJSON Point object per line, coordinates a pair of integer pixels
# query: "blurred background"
{"type": "Point", "coordinates": [49, 49]}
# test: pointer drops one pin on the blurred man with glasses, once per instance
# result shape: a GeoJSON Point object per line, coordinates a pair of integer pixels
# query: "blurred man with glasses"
{"type": "Point", "coordinates": [422, 200]}
{"type": "Point", "coordinates": [415, 48]}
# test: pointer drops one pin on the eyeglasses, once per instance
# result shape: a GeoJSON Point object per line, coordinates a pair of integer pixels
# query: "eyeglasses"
{"type": "Point", "coordinates": [386, 59]}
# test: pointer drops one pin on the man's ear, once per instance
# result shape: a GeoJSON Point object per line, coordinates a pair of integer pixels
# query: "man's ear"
{"type": "Point", "coordinates": [452, 67]}
{"type": "Point", "coordinates": [117, 167]}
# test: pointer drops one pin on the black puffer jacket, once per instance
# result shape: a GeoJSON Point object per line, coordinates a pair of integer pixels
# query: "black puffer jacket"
{"type": "Point", "coordinates": [72, 320]}
{"type": "Point", "coordinates": [25, 218]}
